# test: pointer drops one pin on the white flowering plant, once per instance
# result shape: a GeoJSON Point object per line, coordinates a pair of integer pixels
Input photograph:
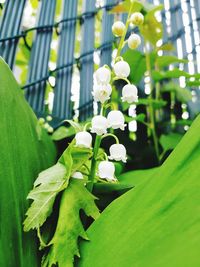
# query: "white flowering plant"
{"type": "Point", "coordinates": [83, 165]}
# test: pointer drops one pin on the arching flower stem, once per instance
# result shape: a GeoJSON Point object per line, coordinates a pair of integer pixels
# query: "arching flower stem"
{"type": "Point", "coordinates": [112, 135]}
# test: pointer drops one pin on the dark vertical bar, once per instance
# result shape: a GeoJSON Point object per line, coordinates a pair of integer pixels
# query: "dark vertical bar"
{"type": "Point", "coordinates": [87, 64]}
{"type": "Point", "coordinates": [10, 26]}
{"type": "Point", "coordinates": [107, 36]}
{"type": "Point", "coordinates": [62, 107]}
{"type": "Point", "coordinates": [38, 66]}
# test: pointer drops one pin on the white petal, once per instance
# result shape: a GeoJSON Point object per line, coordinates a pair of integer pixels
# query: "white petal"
{"type": "Point", "coordinates": [122, 69]}
{"type": "Point", "coordinates": [103, 75]}
{"type": "Point", "coordinates": [83, 139]}
{"type": "Point", "coordinates": [77, 175]}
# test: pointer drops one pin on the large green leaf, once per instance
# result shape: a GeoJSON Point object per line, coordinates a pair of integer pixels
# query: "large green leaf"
{"type": "Point", "coordinates": [158, 222]}
{"type": "Point", "coordinates": [64, 244]}
{"type": "Point", "coordinates": [23, 156]}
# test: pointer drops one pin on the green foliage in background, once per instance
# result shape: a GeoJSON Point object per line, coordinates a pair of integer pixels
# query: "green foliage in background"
{"type": "Point", "coordinates": [23, 156]}
{"type": "Point", "coordinates": [157, 222]}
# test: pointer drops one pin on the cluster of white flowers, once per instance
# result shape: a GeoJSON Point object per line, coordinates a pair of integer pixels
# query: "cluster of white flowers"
{"type": "Point", "coordinates": [100, 124]}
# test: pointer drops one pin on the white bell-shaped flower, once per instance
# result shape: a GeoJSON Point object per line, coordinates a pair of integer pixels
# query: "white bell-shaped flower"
{"type": "Point", "coordinates": [106, 170]}
{"type": "Point", "coordinates": [122, 69]}
{"type": "Point", "coordinates": [118, 28]}
{"type": "Point", "coordinates": [102, 93]}
{"type": "Point", "coordinates": [130, 93]}
{"type": "Point", "coordinates": [77, 175]}
{"type": "Point", "coordinates": [134, 41]}
{"type": "Point", "coordinates": [99, 125]}
{"type": "Point", "coordinates": [83, 139]}
{"type": "Point", "coordinates": [137, 18]}
{"type": "Point", "coordinates": [118, 152]}
{"type": "Point", "coordinates": [116, 120]}
{"type": "Point", "coordinates": [103, 75]}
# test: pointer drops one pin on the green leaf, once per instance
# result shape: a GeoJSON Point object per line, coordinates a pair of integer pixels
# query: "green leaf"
{"type": "Point", "coordinates": [182, 94]}
{"type": "Point", "coordinates": [170, 141]}
{"type": "Point", "coordinates": [140, 117]}
{"type": "Point", "coordinates": [69, 227]}
{"type": "Point", "coordinates": [166, 47]}
{"type": "Point", "coordinates": [137, 177]}
{"type": "Point", "coordinates": [164, 61]}
{"type": "Point", "coordinates": [193, 83]}
{"type": "Point", "coordinates": [175, 73]}
{"type": "Point", "coordinates": [152, 29]}
{"type": "Point", "coordinates": [137, 62]}
{"type": "Point", "coordinates": [156, 223]}
{"type": "Point", "coordinates": [63, 132]}
{"type": "Point", "coordinates": [124, 7]}
{"type": "Point", "coordinates": [157, 104]}
{"type": "Point", "coordinates": [46, 187]}
{"type": "Point", "coordinates": [52, 181]}
{"type": "Point", "coordinates": [23, 156]}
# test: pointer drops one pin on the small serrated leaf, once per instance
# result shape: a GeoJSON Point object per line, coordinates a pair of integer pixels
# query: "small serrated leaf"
{"type": "Point", "coordinates": [69, 227]}
{"type": "Point", "coordinates": [48, 184]}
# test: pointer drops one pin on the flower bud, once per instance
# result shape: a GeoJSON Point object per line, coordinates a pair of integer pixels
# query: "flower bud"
{"type": "Point", "coordinates": [83, 139]}
{"type": "Point", "coordinates": [41, 121]}
{"type": "Point", "coordinates": [116, 120]}
{"type": "Point", "coordinates": [50, 129]}
{"type": "Point", "coordinates": [134, 41]}
{"type": "Point", "coordinates": [49, 118]}
{"type": "Point", "coordinates": [118, 28]}
{"type": "Point", "coordinates": [99, 125]}
{"type": "Point", "coordinates": [103, 75]}
{"type": "Point", "coordinates": [102, 93]}
{"type": "Point", "coordinates": [106, 170]}
{"type": "Point", "coordinates": [77, 175]}
{"type": "Point", "coordinates": [137, 18]}
{"type": "Point", "coordinates": [118, 152]}
{"type": "Point", "coordinates": [122, 69]}
{"type": "Point", "coordinates": [130, 93]}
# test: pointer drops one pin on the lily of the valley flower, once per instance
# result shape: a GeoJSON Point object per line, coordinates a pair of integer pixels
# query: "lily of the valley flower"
{"type": "Point", "coordinates": [103, 75]}
{"type": "Point", "coordinates": [121, 69]}
{"type": "Point", "coordinates": [116, 120]}
{"type": "Point", "coordinates": [83, 139]}
{"type": "Point", "coordinates": [130, 93]}
{"type": "Point", "coordinates": [102, 93]}
{"type": "Point", "coordinates": [99, 125]}
{"type": "Point", "coordinates": [134, 41]}
{"type": "Point", "coordinates": [77, 175]}
{"type": "Point", "coordinates": [137, 18]}
{"type": "Point", "coordinates": [106, 170]}
{"type": "Point", "coordinates": [118, 28]}
{"type": "Point", "coordinates": [118, 152]}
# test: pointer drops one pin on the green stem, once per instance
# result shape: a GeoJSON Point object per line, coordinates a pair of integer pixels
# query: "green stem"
{"type": "Point", "coordinates": [121, 43]}
{"type": "Point", "coordinates": [151, 108]}
{"type": "Point", "coordinates": [111, 135]}
{"type": "Point", "coordinates": [94, 163]}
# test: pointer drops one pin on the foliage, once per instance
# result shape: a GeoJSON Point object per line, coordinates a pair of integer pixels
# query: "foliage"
{"type": "Point", "coordinates": [46, 187]}
{"type": "Point", "coordinates": [23, 156]}
{"type": "Point", "coordinates": [156, 223]}
{"type": "Point", "coordinates": [69, 227]}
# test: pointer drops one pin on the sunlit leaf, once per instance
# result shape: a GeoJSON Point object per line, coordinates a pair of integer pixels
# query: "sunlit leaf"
{"type": "Point", "coordinates": [156, 223]}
